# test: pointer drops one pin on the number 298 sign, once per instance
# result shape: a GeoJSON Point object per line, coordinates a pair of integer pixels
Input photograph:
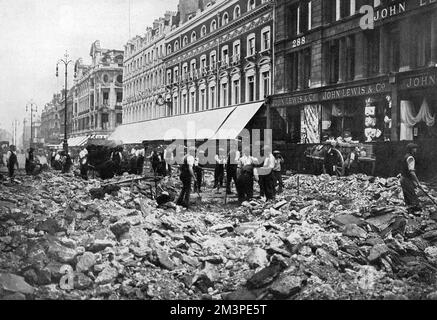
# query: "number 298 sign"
{"type": "Point", "coordinates": [299, 42]}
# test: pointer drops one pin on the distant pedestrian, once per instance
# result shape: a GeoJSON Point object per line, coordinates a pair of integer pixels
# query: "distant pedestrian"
{"type": "Point", "coordinates": [409, 178]}
{"type": "Point", "coordinates": [67, 162]}
{"type": "Point", "coordinates": [12, 161]}
{"type": "Point", "coordinates": [334, 162]}
{"type": "Point", "coordinates": [140, 161]}
{"type": "Point", "coordinates": [83, 163]}
{"type": "Point", "coordinates": [30, 162]}
{"type": "Point", "coordinates": [198, 171]}
{"type": "Point", "coordinates": [277, 171]}
{"type": "Point", "coordinates": [133, 162]}
{"type": "Point", "coordinates": [117, 157]}
{"type": "Point", "coordinates": [186, 176]}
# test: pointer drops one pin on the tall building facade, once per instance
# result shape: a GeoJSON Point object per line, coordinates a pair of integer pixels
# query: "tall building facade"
{"type": "Point", "coordinates": [215, 71]}
{"type": "Point", "coordinates": [98, 93]}
{"type": "Point", "coordinates": [144, 72]}
{"type": "Point", "coordinates": [220, 57]}
{"type": "Point", "coordinates": [369, 75]}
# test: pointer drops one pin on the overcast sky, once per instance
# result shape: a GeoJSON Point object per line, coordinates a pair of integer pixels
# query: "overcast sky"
{"type": "Point", "coordinates": [35, 34]}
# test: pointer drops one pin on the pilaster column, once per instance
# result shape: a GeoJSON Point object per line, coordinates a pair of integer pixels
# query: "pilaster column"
{"type": "Point", "coordinates": [299, 70]}
{"type": "Point", "coordinates": [433, 42]}
{"type": "Point", "coordinates": [383, 50]}
{"type": "Point", "coordinates": [342, 60]}
{"type": "Point", "coordinates": [405, 45]}
{"type": "Point", "coordinates": [360, 61]}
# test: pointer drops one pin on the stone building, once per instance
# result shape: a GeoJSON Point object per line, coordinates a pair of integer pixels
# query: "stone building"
{"type": "Point", "coordinates": [218, 72]}
{"type": "Point", "coordinates": [50, 121]}
{"type": "Point", "coordinates": [98, 93]}
{"type": "Point", "coordinates": [337, 75]}
{"type": "Point", "coordinates": [144, 72]}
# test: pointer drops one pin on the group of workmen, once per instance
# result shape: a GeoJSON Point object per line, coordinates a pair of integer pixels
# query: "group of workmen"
{"type": "Point", "coordinates": [240, 167]}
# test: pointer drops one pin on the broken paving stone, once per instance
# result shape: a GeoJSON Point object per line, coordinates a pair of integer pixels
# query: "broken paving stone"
{"type": "Point", "coordinates": [378, 251]}
{"type": "Point", "coordinates": [286, 286]}
{"type": "Point", "coordinates": [352, 230]}
{"type": "Point", "coordinates": [85, 262]}
{"type": "Point", "coordinates": [81, 281]}
{"type": "Point", "coordinates": [431, 254]}
{"type": "Point", "coordinates": [119, 228]}
{"type": "Point", "coordinates": [164, 261]}
{"type": "Point", "coordinates": [264, 276]}
{"type": "Point", "coordinates": [61, 253]}
{"type": "Point", "coordinates": [51, 226]}
{"type": "Point", "coordinates": [382, 222]}
{"type": "Point", "coordinates": [347, 219]}
{"type": "Point", "coordinates": [107, 275]}
{"type": "Point", "coordinates": [100, 244]}
{"type": "Point", "coordinates": [14, 284]}
{"type": "Point", "coordinates": [430, 235]}
{"type": "Point", "coordinates": [280, 204]}
{"type": "Point", "coordinates": [256, 258]}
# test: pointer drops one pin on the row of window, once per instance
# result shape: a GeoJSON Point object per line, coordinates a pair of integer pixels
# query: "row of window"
{"type": "Point", "coordinates": [206, 97]}
{"type": "Point", "coordinates": [366, 54]}
{"type": "Point", "coordinates": [147, 58]}
{"type": "Point", "coordinates": [152, 80]}
{"type": "Point", "coordinates": [299, 15]}
{"type": "Point", "coordinates": [226, 58]}
{"type": "Point", "coordinates": [251, 4]}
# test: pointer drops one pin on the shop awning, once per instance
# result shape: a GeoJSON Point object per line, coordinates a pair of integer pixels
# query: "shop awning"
{"type": "Point", "coordinates": [237, 120]}
{"type": "Point", "coordinates": [194, 126]}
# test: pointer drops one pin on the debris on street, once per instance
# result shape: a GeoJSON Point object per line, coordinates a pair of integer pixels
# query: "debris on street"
{"type": "Point", "coordinates": [335, 238]}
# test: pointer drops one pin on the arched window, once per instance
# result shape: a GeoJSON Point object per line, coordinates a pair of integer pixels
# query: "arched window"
{"type": "Point", "coordinates": [250, 5]}
{"type": "Point", "coordinates": [203, 31]}
{"type": "Point", "coordinates": [237, 12]}
{"type": "Point", "coordinates": [225, 18]}
{"type": "Point", "coordinates": [176, 45]}
{"type": "Point", "coordinates": [193, 36]}
{"type": "Point", "coordinates": [169, 49]}
{"type": "Point", "coordinates": [213, 25]}
{"type": "Point", "coordinates": [185, 41]}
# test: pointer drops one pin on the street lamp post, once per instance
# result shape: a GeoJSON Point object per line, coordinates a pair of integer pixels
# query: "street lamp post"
{"type": "Point", "coordinates": [66, 62]}
{"type": "Point", "coordinates": [32, 107]}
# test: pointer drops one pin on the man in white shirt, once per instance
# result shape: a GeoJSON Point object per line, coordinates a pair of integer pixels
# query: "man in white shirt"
{"type": "Point", "coordinates": [231, 169]}
{"type": "Point", "coordinates": [266, 180]}
{"type": "Point", "coordinates": [220, 160]}
{"type": "Point", "coordinates": [244, 182]}
{"type": "Point", "coordinates": [409, 178]}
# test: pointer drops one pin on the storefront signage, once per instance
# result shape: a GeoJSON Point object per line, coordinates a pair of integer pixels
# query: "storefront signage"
{"type": "Point", "coordinates": [299, 42]}
{"type": "Point", "coordinates": [295, 100]}
{"type": "Point", "coordinates": [420, 81]}
{"type": "Point", "coordinates": [355, 91]}
{"type": "Point", "coordinates": [390, 11]}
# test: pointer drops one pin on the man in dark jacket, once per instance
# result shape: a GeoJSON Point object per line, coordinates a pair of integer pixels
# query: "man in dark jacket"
{"type": "Point", "coordinates": [187, 175]}
{"type": "Point", "coordinates": [409, 178]}
{"type": "Point", "coordinates": [12, 161]}
{"type": "Point", "coordinates": [67, 162]}
{"type": "Point", "coordinates": [30, 162]}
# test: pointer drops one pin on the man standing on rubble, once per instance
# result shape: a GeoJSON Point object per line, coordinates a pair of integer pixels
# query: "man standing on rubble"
{"type": "Point", "coordinates": [12, 161]}
{"type": "Point", "coordinates": [29, 164]}
{"type": "Point", "coordinates": [186, 176]}
{"type": "Point", "coordinates": [67, 163]}
{"type": "Point", "coordinates": [198, 171]}
{"type": "Point", "coordinates": [409, 178]}
{"type": "Point", "coordinates": [265, 173]}
{"type": "Point", "coordinates": [231, 169]}
{"type": "Point", "coordinates": [116, 157]}
{"type": "Point", "coordinates": [219, 168]}
{"type": "Point", "coordinates": [244, 183]}
{"type": "Point", "coordinates": [83, 162]}
{"type": "Point", "coordinates": [277, 170]}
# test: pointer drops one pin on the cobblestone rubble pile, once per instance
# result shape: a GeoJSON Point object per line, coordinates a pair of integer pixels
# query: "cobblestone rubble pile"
{"type": "Point", "coordinates": [323, 238]}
